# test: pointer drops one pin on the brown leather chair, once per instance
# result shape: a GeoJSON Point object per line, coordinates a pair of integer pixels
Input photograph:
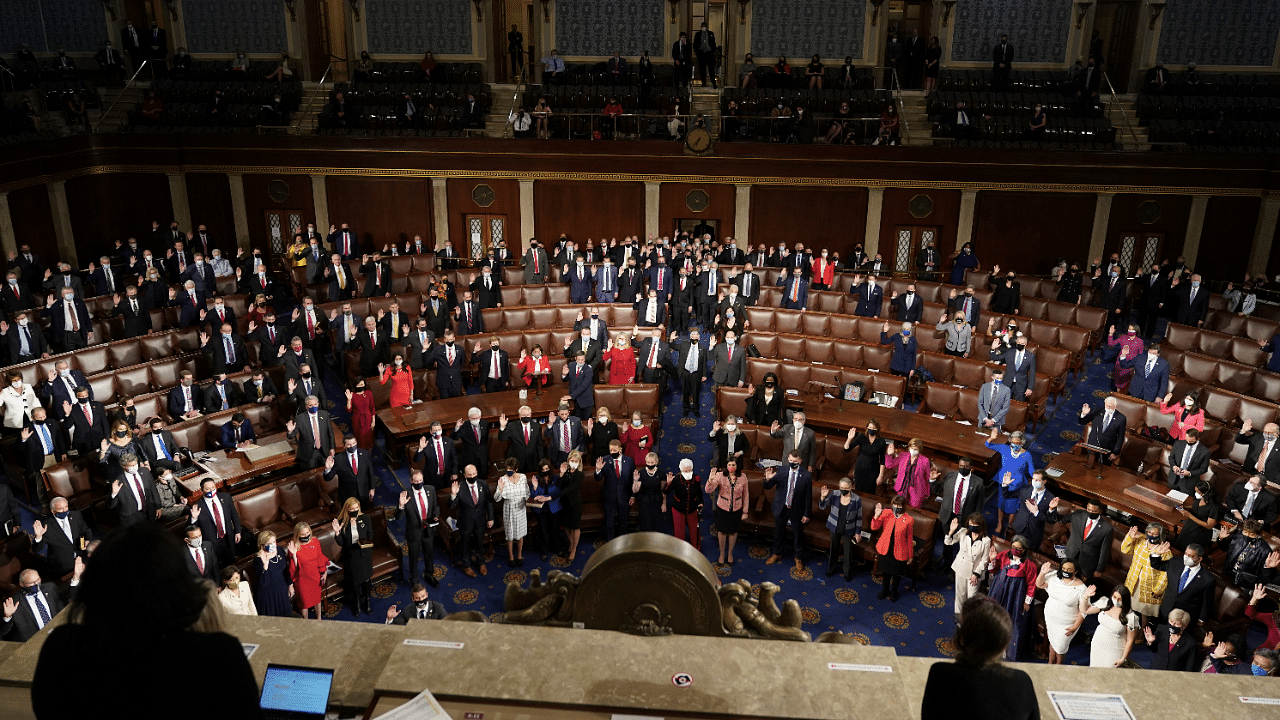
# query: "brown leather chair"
{"type": "Point", "coordinates": [819, 351]}
{"type": "Point", "coordinates": [731, 401]}
{"type": "Point", "coordinates": [557, 294]}
{"type": "Point", "coordinates": [104, 388]}
{"type": "Point", "coordinates": [1043, 334]}
{"type": "Point", "coordinates": [1260, 328]}
{"type": "Point", "coordinates": [970, 372]}
{"type": "Point", "coordinates": [511, 296]}
{"type": "Point", "coordinates": [70, 480]}
{"type": "Point", "coordinates": [940, 399]}
{"type": "Point", "coordinates": [877, 356]}
{"type": "Point", "coordinates": [1258, 411]}
{"type": "Point", "coordinates": [125, 353]}
{"type": "Point", "coordinates": [1247, 352]}
{"type": "Point", "coordinates": [1180, 336]}
{"type": "Point", "coordinates": [92, 360]}
{"type": "Point", "coordinates": [260, 510]}
{"type": "Point", "coordinates": [767, 344]}
{"type": "Point", "coordinates": [1235, 377]}
{"type": "Point", "coordinates": [1174, 357]}
{"type": "Point", "coordinates": [844, 327]}
{"type": "Point", "coordinates": [1219, 404]}
{"type": "Point", "coordinates": [304, 499]}
{"type": "Point", "coordinates": [791, 347]}
{"type": "Point", "coordinates": [847, 354]}
{"type": "Point", "coordinates": [133, 381]}
{"type": "Point", "coordinates": [827, 301]}
{"type": "Point", "coordinates": [1213, 344]}
{"type": "Point", "coordinates": [155, 347]}
{"type": "Point", "coordinates": [1033, 307]}
{"type": "Point", "coordinates": [814, 324]}
{"type": "Point", "coordinates": [941, 367]}
{"type": "Point", "coordinates": [1199, 368]}
{"type": "Point", "coordinates": [761, 318]}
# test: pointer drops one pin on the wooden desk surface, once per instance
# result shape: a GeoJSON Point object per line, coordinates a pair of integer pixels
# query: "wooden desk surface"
{"type": "Point", "coordinates": [415, 419]}
{"type": "Point", "coordinates": [898, 425]}
{"type": "Point", "coordinates": [234, 467]}
{"type": "Point", "coordinates": [1108, 484]}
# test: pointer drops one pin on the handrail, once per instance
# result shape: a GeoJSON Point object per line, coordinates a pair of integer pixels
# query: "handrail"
{"type": "Point", "coordinates": [509, 129]}
{"type": "Point", "coordinates": [127, 85]}
{"type": "Point", "coordinates": [1127, 125]}
{"type": "Point", "coordinates": [297, 129]}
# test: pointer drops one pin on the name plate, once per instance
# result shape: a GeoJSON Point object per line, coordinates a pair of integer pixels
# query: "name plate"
{"type": "Point", "coordinates": [434, 643]}
{"type": "Point", "coordinates": [859, 667]}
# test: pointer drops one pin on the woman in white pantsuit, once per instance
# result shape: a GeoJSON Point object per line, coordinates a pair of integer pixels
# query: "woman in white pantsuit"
{"type": "Point", "coordinates": [970, 565]}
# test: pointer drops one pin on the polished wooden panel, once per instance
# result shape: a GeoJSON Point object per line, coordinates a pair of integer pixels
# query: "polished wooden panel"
{"type": "Point", "coordinates": [1174, 211]}
{"type": "Point", "coordinates": [1030, 232]}
{"type": "Point", "coordinates": [256, 201]}
{"type": "Point", "coordinates": [109, 207]}
{"type": "Point", "coordinates": [817, 216]}
{"type": "Point", "coordinates": [33, 222]}
{"type": "Point", "coordinates": [671, 206]}
{"type": "Point", "coordinates": [896, 211]}
{"type": "Point", "coordinates": [506, 201]}
{"type": "Point", "coordinates": [381, 210]}
{"type": "Point", "coordinates": [588, 209]}
{"type": "Point", "coordinates": [1108, 484]}
{"type": "Point", "coordinates": [1228, 222]}
{"type": "Point", "coordinates": [209, 197]}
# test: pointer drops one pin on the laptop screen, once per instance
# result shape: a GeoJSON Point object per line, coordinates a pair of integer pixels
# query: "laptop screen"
{"type": "Point", "coordinates": [296, 689]}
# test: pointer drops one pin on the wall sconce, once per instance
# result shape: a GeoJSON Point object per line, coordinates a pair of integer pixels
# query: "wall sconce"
{"type": "Point", "coordinates": [293, 14]}
{"type": "Point", "coordinates": [110, 7]}
{"type": "Point", "coordinates": [546, 11]}
{"type": "Point", "coordinates": [355, 9]}
{"type": "Point", "coordinates": [742, 11]}
{"type": "Point", "coordinates": [947, 5]}
{"type": "Point", "coordinates": [1083, 6]}
{"type": "Point", "coordinates": [875, 10]}
{"type": "Point", "coordinates": [1157, 7]}
{"type": "Point", "coordinates": [479, 10]}
{"type": "Point", "coordinates": [674, 4]}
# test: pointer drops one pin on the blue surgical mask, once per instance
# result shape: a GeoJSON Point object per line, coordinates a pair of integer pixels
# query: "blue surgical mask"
{"type": "Point", "coordinates": [35, 589]}
{"type": "Point", "coordinates": [1195, 284]}
{"type": "Point", "coordinates": [313, 410]}
{"type": "Point", "coordinates": [62, 515]}
{"type": "Point", "coordinates": [1116, 274]}
{"type": "Point", "coordinates": [906, 333]}
{"type": "Point", "coordinates": [1257, 670]}
{"type": "Point", "coordinates": [995, 381]}
{"type": "Point", "coordinates": [210, 494]}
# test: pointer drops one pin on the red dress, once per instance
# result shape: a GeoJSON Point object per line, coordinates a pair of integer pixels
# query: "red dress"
{"type": "Point", "coordinates": [622, 368]}
{"type": "Point", "coordinates": [630, 438]}
{"type": "Point", "coordinates": [362, 418]}
{"type": "Point", "coordinates": [305, 569]}
{"type": "Point", "coordinates": [401, 386]}
{"type": "Point", "coordinates": [527, 366]}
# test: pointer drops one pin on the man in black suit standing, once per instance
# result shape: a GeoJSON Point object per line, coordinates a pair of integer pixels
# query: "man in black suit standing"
{"type": "Point", "coordinates": [908, 307]}
{"type": "Point", "coordinates": [216, 517]}
{"type": "Point", "coordinates": [133, 308]}
{"type": "Point", "coordinates": [1089, 543]}
{"type": "Point", "coordinates": [86, 421]}
{"type": "Point", "coordinates": [342, 284]}
{"type": "Point", "coordinates": [682, 59]}
{"type": "Point", "coordinates": [1020, 369]}
{"type": "Point", "coordinates": [1154, 286]}
{"type": "Point", "coordinates": [438, 457]}
{"type": "Point", "coordinates": [423, 607]}
{"type": "Point", "coordinates": [354, 470]}
{"type": "Point", "coordinates": [221, 394]}
{"type": "Point", "coordinates": [156, 47]}
{"type": "Point", "coordinates": [962, 495]}
{"type": "Point", "coordinates": [15, 295]}
{"type": "Point", "coordinates": [447, 359]}
{"type": "Point", "coordinates": [28, 611]}
{"type": "Point", "coordinates": [468, 317]}
{"type": "Point", "coordinates": [131, 41]}
{"type": "Point", "coordinates": [728, 361]}
{"type": "Point", "coordinates": [1249, 500]}
{"type": "Point", "coordinates": [692, 370]}
{"type": "Point", "coordinates": [421, 512]}
{"type": "Point", "coordinates": [272, 337]}
{"type": "Point", "coordinates": [1175, 648]}
{"type": "Point", "coordinates": [1110, 293]}
{"type": "Point", "coordinates": [615, 473]}
{"type": "Point", "coordinates": [25, 340]}
{"type": "Point", "coordinates": [494, 365]}
{"type": "Point", "coordinates": [60, 538]}
{"type": "Point", "coordinates": [704, 44]}
{"type": "Point", "coordinates": [487, 288]}
{"type": "Point", "coordinates": [344, 243]}
{"type": "Point", "coordinates": [1190, 586]}
{"type": "Point", "coordinates": [1188, 461]}
{"type": "Point", "coordinates": [473, 502]}
{"type": "Point", "coordinates": [1087, 84]}
{"type": "Point", "coordinates": [524, 439]}
{"type": "Point", "coordinates": [377, 275]}
{"type": "Point", "coordinates": [1001, 63]}
{"type": "Point", "coordinates": [653, 360]}
{"type": "Point", "coordinates": [1033, 509]}
{"type": "Point", "coordinates": [473, 432]}
{"type": "Point", "coordinates": [375, 348]}
{"type": "Point", "coordinates": [748, 284]}
{"type": "Point", "coordinates": [313, 432]}
{"type": "Point", "coordinates": [629, 282]}
{"type": "Point", "coordinates": [201, 556]}
{"type": "Point", "coordinates": [791, 502]}
{"type": "Point", "coordinates": [133, 493]}
{"type": "Point", "coordinates": [1193, 305]}
{"type": "Point", "coordinates": [1106, 428]}
{"type": "Point", "coordinates": [226, 350]}
{"type": "Point", "coordinates": [587, 345]}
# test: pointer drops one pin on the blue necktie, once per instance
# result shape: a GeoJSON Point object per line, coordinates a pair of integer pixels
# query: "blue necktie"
{"type": "Point", "coordinates": [163, 448]}
{"type": "Point", "coordinates": [222, 392]}
{"type": "Point", "coordinates": [45, 438]}
{"type": "Point", "coordinates": [44, 611]}
{"type": "Point", "coordinates": [1186, 576]}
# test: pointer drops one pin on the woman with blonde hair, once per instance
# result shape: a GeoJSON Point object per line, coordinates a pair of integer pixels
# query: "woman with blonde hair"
{"type": "Point", "coordinates": [273, 589]}
{"type": "Point", "coordinates": [118, 443]}
{"type": "Point", "coordinates": [571, 500]}
{"type": "Point", "coordinates": [621, 361]}
{"type": "Point", "coordinates": [354, 534]}
{"type": "Point", "coordinates": [309, 569]}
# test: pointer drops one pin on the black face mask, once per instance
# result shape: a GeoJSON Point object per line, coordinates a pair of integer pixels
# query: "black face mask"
{"type": "Point", "coordinates": [794, 465]}
{"type": "Point", "coordinates": [872, 431]}
{"type": "Point", "coordinates": [651, 467]}
{"type": "Point", "coordinates": [471, 479]}
{"type": "Point", "coordinates": [1175, 630]}
{"type": "Point", "coordinates": [416, 486]}
{"type": "Point", "coordinates": [897, 512]}
{"type": "Point", "coordinates": [615, 454]}
{"type": "Point", "coordinates": [1153, 539]}
{"type": "Point", "coordinates": [83, 400]}
{"type": "Point", "coordinates": [1093, 515]}
{"type": "Point", "coordinates": [974, 529]}
{"type": "Point", "coordinates": [306, 376]}
{"type": "Point", "coordinates": [1065, 575]}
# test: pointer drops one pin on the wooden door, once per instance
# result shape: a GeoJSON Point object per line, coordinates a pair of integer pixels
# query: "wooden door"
{"type": "Point", "coordinates": [282, 225]}
{"type": "Point", "coordinates": [483, 231]}
{"type": "Point", "coordinates": [1139, 250]}
{"type": "Point", "coordinates": [908, 240]}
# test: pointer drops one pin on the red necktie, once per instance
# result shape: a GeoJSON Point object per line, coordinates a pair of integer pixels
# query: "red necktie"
{"type": "Point", "coordinates": [200, 560]}
{"type": "Point", "coordinates": [526, 433]}
{"type": "Point", "coordinates": [468, 305]}
{"type": "Point", "coordinates": [355, 464]}
{"type": "Point", "coordinates": [730, 353]}
{"type": "Point", "coordinates": [475, 495]}
{"type": "Point", "coordinates": [565, 427]}
{"type": "Point", "coordinates": [217, 518]}
{"type": "Point", "coordinates": [311, 325]}
{"type": "Point", "coordinates": [439, 457]}
{"type": "Point", "coordinates": [422, 507]}
{"type": "Point", "coordinates": [653, 355]}
{"type": "Point", "coordinates": [271, 334]}
{"type": "Point", "coordinates": [1088, 528]}
{"type": "Point", "coordinates": [959, 493]}
{"type": "Point", "coordinates": [88, 414]}
{"type": "Point", "coordinates": [535, 262]}
{"type": "Point", "coordinates": [379, 276]}
{"type": "Point", "coordinates": [618, 462]}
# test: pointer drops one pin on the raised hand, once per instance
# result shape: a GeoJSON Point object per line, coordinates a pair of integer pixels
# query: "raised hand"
{"type": "Point", "coordinates": [10, 607]}
{"type": "Point", "coordinates": [422, 443]}
{"type": "Point", "coordinates": [1084, 409]}
{"type": "Point", "coordinates": [955, 524]}
{"type": "Point", "coordinates": [453, 489]}
{"type": "Point", "coordinates": [1149, 635]}
{"type": "Point", "coordinates": [328, 463]}
{"type": "Point", "coordinates": [879, 509]}
{"type": "Point", "coordinates": [290, 425]}
{"type": "Point", "coordinates": [1272, 560]}
{"type": "Point", "coordinates": [827, 491]}
{"type": "Point", "coordinates": [885, 328]}
{"type": "Point", "coordinates": [1246, 428]}
{"type": "Point", "coordinates": [1053, 504]}
{"type": "Point", "coordinates": [116, 486]}
{"type": "Point", "coordinates": [290, 383]}
{"type": "Point", "coordinates": [66, 408]}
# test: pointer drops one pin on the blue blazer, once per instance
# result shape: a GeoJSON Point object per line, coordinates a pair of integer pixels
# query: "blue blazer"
{"type": "Point", "coordinates": [802, 498]}
{"type": "Point", "coordinates": [228, 433]}
{"type": "Point", "coordinates": [579, 288]}
{"type": "Point", "coordinates": [616, 489]}
{"type": "Point", "coordinates": [801, 287]}
{"type": "Point", "coordinates": [853, 518]}
{"type": "Point", "coordinates": [904, 356]}
{"type": "Point", "coordinates": [1148, 387]}
{"type": "Point", "coordinates": [189, 314]}
{"type": "Point", "coordinates": [581, 384]}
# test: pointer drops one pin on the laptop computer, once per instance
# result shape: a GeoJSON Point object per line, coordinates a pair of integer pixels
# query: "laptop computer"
{"type": "Point", "coordinates": [290, 692]}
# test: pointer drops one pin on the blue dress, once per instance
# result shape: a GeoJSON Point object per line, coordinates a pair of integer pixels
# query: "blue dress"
{"type": "Point", "coordinates": [903, 360]}
{"type": "Point", "coordinates": [962, 264]}
{"type": "Point", "coordinates": [272, 592]}
{"type": "Point", "coordinates": [1009, 591]}
{"type": "Point", "coordinates": [1021, 467]}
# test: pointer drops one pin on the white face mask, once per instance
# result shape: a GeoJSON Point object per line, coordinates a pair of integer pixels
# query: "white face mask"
{"type": "Point", "coordinates": [1187, 561]}
{"type": "Point", "coordinates": [798, 425]}
{"type": "Point", "coordinates": [730, 341]}
{"type": "Point", "coordinates": [914, 452]}
{"type": "Point", "coordinates": [573, 466]}
{"type": "Point", "coordinates": [731, 428]}
{"type": "Point", "coordinates": [22, 322]}
{"type": "Point", "coordinates": [635, 423]}
{"type": "Point", "coordinates": [686, 474]}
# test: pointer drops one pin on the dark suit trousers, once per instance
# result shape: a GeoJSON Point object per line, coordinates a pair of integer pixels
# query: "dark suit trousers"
{"type": "Point", "coordinates": [423, 548]}
{"type": "Point", "coordinates": [797, 533]}
{"type": "Point", "coordinates": [691, 385]}
{"type": "Point", "coordinates": [549, 537]}
{"type": "Point", "coordinates": [472, 543]}
{"type": "Point", "coordinates": [843, 543]}
{"type": "Point", "coordinates": [616, 515]}
{"type": "Point", "coordinates": [679, 317]}
{"type": "Point", "coordinates": [492, 386]}
{"type": "Point", "coordinates": [448, 390]}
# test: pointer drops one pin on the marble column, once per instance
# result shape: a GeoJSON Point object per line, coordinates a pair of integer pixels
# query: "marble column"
{"type": "Point", "coordinates": [527, 226]}
{"type": "Point", "coordinates": [1263, 235]}
{"type": "Point", "coordinates": [1195, 227]}
{"type": "Point", "coordinates": [178, 198]}
{"type": "Point", "coordinates": [8, 239]}
{"type": "Point", "coordinates": [440, 210]}
{"type": "Point", "coordinates": [964, 230]}
{"type": "Point", "coordinates": [238, 213]}
{"type": "Point", "coordinates": [62, 222]}
{"type": "Point", "coordinates": [1101, 219]}
{"type": "Point", "coordinates": [652, 203]}
{"type": "Point", "coordinates": [875, 206]}
{"type": "Point", "coordinates": [742, 215]}
{"type": "Point", "coordinates": [320, 201]}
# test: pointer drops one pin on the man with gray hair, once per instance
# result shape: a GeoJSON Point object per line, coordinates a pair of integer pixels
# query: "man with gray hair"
{"type": "Point", "coordinates": [1106, 428]}
{"type": "Point", "coordinates": [60, 538]}
{"type": "Point", "coordinates": [473, 431]}
{"type": "Point", "coordinates": [27, 612]}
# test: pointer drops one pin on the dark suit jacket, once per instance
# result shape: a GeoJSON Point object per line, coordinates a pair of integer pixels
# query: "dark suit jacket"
{"type": "Point", "coordinates": [1031, 526]}
{"type": "Point", "coordinates": [870, 299]}
{"type": "Point", "coordinates": [581, 381]}
{"type": "Point", "coordinates": [593, 353]}
{"type": "Point", "coordinates": [254, 394]}
{"type": "Point", "coordinates": [905, 314]}
{"type": "Point", "coordinates": [725, 371]}
{"type": "Point", "coordinates": [701, 370]}
{"type": "Point", "coordinates": [616, 488]}
{"type": "Point", "coordinates": [177, 401]}
{"type": "Point", "coordinates": [802, 498]}
{"type": "Point", "coordinates": [58, 550]}
{"type": "Point", "coordinates": [212, 572]}
{"type": "Point", "coordinates": [100, 280]}
{"type": "Point", "coordinates": [472, 515]}
{"type": "Point", "coordinates": [126, 505]}
{"type": "Point", "coordinates": [431, 462]}
{"type": "Point", "coordinates": [1264, 506]}
{"type": "Point", "coordinates": [660, 312]}
{"type": "Point", "coordinates": [220, 362]}
{"type": "Point", "coordinates": [370, 354]}
{"type": "Point", "coordinates": [472, 322]}
{"type": "Point", "coordinates": [150, 454]}
{"type": "Point", "coordinates": [975, 308]}
{"type": "Point", "coordinates": [213, 400]}
{"type": "Point", "coordinates": [336, 238]}
{"type": "Point", "coordinates": [448, 375]}
{"type": "Point", "coordinates": [293, 364]}
{"type": "Point", "coordinates": [1196, 598]}
{"type": "Point", "coordinates": [215, 321]}
{"type": "Point", "coordinates": [16, 297]}
{"type": "Point", "coordinates": [435, 611]}
{"type": "Point", "coordinates": [487, 297]}
{"type": "Point", "coordinates": [229, 435]}
{"type": "Point", "coordinates": [188, 313]}
{"type": "Point", "coordinates": [1090, 554]}
{"type": "Point", "coordinates": [1182, 657]}
{"type": "Point", "coordinates": [1256, 441]}
{"type": "Point", "coordinates": [554, 433]}
{"type": "Point", "coordinates": [33, 449]}
{"type": "Point", "coordinates": [135, 323]}
{"type": "Point", "coordinates": [202, 275]}
{"type": "Point", "coordinates": [1198, 466]}
{"type": "Point", "coordinates": [58, 317]}
{"type": "Point", "coordinates": [475, 449]}
{"type": "Point", "coordinates": [371, 286]}
{"type": "Point", "coordinates": [335, 291]}
{"type": "Point", "coordinates": [1110, 297]}
{"type": "Point", "coordinates": [1019, 378]}
{"type": "Point", "coordinates": [1147, 387]}
{"type": "Point", "coordinates": [23, 625]}
{"type": "Point", "coordinates": [307, 455]}
{"type": "Point", "coordinates": [528, 454]}
{"type": "Point", "coordinates": [87, 435]}
{"type": "Point", "coordinates": [1002, 54]}
{"type": "Point", "coordinates": [415, 525]}
{"type": "Point", "coordinates": [37, 345]}
{"type": "Point", "coordinates": [1112, 436]}
{"type": "Point", "coordinates": [973, 500]}
{"type": "Point", "coordinates": [1192, 312]}
{"type": "Point", "coordinates": [355, 484]}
